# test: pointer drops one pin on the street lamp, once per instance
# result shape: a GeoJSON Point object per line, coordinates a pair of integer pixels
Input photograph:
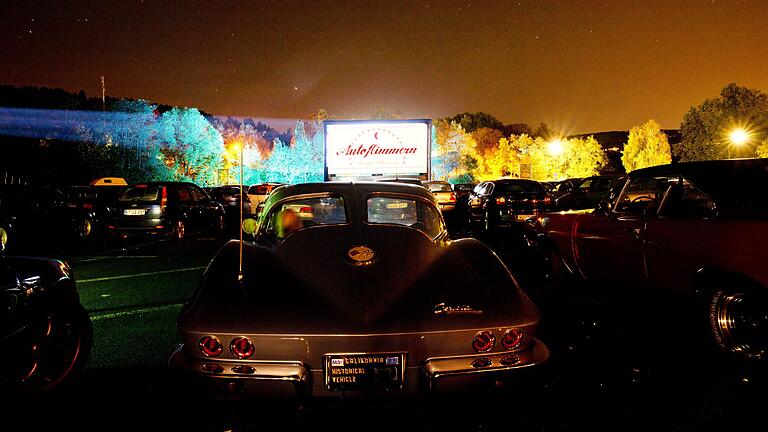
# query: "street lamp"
{"type": "Point", "coordinates": [555, 147]}
{"type": "Point", "coordinates": [738, 137]}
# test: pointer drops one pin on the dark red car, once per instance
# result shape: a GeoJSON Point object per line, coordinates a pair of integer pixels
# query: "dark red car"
{"type": "Point", "coordinates": [695, 232]}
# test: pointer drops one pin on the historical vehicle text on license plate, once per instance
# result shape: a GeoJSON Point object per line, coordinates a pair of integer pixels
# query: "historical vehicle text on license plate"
{"type": "Point", "coordinates": [364, 371]}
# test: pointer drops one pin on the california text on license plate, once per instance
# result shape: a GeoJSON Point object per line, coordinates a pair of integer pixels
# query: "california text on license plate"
{"type": "Point", "coordinates": [364, 371]}
{"type": "Point", "coordinates": [134, 212]}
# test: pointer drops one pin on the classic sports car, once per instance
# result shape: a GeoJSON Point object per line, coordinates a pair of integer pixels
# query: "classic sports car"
{"type": "Point", "coordinates": [368, 295]}
{"type": "Point", "coordinates": [46, 333]}
{"type": "Point", "coordinates": [693, 232]}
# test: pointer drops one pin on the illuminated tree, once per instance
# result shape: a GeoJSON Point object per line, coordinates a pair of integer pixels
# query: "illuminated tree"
{"type": "Point", "coordinates": [762, 150]}
{"type": "Point", "coordinates": [487, 139]}
{"type": "Point", "coordinates": [705, 127]}
{"type": "Point", "coordinates": [453, 152]}
{"type": "Point", "coordinates": [646, 146]}
{"type": "Point", "coordinates": [299, 162]}
{"type": "Point", "coordinates": [189, 146]}
{"type": "Point", "coordinates": [474, 121]}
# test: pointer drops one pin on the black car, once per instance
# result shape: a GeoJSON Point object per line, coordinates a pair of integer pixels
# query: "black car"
{"type": "Point", "coordinates": [587, 193]}
{"type": "Point", "coordinates": [563, 187]}
{"type": "Point", "coordinates": [88, 208]}
{"type": "Point", "coordinates": [31, 214]}
{"type": "Point", "coordinates": [506, 202]}
{"type": "Point", "coordinates": [171, 208]}
{"type": "Point", "coordinates": [45, 332]}
{"type": "Point", "coordinates": [229, 197]}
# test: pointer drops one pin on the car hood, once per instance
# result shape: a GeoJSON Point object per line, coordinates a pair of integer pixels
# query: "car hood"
{"type": "Point", "coordinates": [319, 289]}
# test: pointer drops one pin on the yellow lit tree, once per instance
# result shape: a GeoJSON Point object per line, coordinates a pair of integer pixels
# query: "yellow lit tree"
{"type": "Point", "coordinates": [762, 150]}
{"type": "Point", "coordinates": [646, 146]}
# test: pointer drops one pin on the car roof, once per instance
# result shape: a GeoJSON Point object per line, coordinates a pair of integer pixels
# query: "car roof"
{"type": "Point", "coordinates": [350, 188]}
{"type": "Point", "coordinates": [730, 182]}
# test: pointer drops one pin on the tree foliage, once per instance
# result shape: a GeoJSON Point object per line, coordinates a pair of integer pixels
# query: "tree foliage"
{"type": "Point", "coordinates": [705, 128]}
{"type": "Point", "coordinates": [189, 147]}
{"type": "Point", "coordinates": [646, 146]}
{"type": "Point", "coordinates": [453, 152]}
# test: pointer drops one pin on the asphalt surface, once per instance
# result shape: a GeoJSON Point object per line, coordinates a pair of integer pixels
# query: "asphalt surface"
{"type": "Point", "coordinates": [610, 368]}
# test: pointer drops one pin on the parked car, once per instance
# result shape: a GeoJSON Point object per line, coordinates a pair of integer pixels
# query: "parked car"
{"type": "Point", "coordinates": [46, 332]}
{"type": "Point", "coordinates": [87, 208]}
{"type": "Point", "coordinates": [563, 187]}
{"type": "Point", "coordinates": [444, 194]}
{"type": "Point", "coordinates": [170, 208]}
{"type": "Point", "coordinates": [587, 192]}
{"type": "Point", "coordinates": [229, 197]}
{"type": "Point", "coordinates": [368, 295]}
{"type": "Point", "coordinates": [692, 235]}
{"type": "Point", "coordinates": [506, 202]}
{"type": "Point", "coordinates": [258, 193]}
{"type": "Point", "coordinates": [25, 208]}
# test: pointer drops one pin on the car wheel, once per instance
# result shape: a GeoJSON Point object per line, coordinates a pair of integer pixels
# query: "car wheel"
{"type": "Point", "coordinates": [60, 345]}
{"type": "Point", "coordinates": [84, 228]}
{"type": "Point", "coordinates": [5, 236]}
{"type": "Point", "coordinates": [179, 230]}
{"type": "Point", "coordinates": [738, 321]}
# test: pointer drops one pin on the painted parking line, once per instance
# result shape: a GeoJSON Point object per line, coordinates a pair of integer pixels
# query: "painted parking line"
{"type": "Point", "coordinates": [135, 275]}
{"type": "Point", "coordinates": [109, 315]}
{"type": "Point", "coordinates": [102, 258]}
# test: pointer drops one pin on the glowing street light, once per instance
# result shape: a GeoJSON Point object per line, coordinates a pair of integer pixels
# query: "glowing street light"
{"type": "Point", "coordinates": [737, 137]}
{"type": "Point", "coordinates": [555, 147]}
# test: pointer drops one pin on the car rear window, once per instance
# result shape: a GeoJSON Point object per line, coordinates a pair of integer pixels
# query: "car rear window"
{"type": "Point", "coordinates": [260, 189]}
{"type": "Point", "coordinates": [439, 187]}
{"type": "Point", "coordinates": [523, 186]}
{"type": "Point", "coordinates": [141, 193]}
{"type": "Point", "coordinates": [300, 213]}
{"type": "Point", "coordinates": [404, 211]}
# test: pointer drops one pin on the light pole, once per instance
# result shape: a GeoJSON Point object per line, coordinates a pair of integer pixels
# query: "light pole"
{"type": "Point", "coordinates": [737, 137]}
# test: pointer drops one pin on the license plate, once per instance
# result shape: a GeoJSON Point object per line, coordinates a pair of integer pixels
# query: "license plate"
{"type": "Point", "coordinates": [364, 371]}
{"type": "Point", "coordinates": [522, 218]}
{"type": "Point", "coordinates": [133, 212]}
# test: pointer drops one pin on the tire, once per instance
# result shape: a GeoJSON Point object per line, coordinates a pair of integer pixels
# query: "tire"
{"type": "Point", "coordinates": [179, 230]}
{"type": "Point", "coordinates": [738, 322]}
{"type": "Point", "coordinates": [5, 237]}
{"type": "Point", "coordinates": [84, 228]}
{"type": "Point", "coordinates": [60, 344]}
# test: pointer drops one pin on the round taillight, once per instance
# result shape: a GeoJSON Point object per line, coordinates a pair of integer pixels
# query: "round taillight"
{"type": "Point", "coordinates": [481, 362]}
{"type": "Point", "coordinates": [483, 341]}
{"type": "Point", "coordinates": [241, 347]}
{"type": "Point", "coordinates": [213, 368]}
{"type": "Point", "coordinates": [512, 338]}
{"type": "Point", "coordinates": [210, 346]}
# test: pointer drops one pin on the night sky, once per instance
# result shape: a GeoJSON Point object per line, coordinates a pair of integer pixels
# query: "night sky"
{"type": "Point", "coordinates": [580, 66]}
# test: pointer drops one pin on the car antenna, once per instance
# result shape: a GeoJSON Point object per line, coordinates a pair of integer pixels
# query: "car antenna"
{"type": "Point", "coordinates": [240, 268]}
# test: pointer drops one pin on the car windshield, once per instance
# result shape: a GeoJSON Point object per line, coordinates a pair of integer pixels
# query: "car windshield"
{"type": "Point", "coordinates": [141, 193]}
{"type": "Point", "coordinates": [299, 213]}
{"type": "Point", "coordinates": [404, 211]}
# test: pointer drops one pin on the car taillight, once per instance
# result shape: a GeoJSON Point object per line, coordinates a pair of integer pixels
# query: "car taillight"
{"type": "Point", "coordinates": [88, 206]}
{"type": "Point", "coordinates": [305, 210]}
{"type": "Point", "coordinates": [512, 338]}
{"type": "Point", "coordinates": [483, 341]}
{"type": "Point", "coordinates": [453, 197]}
{"type": "Point", "coordinates": [548, 200]}
{"type": "Point", "coordinates": [210, 346]}
{"type": "Point", "coordinates": [501, 200]}
{"type": "Point", "coordinates": [164, 199]}
{"type": "Point", "coordinates": [241, 347]}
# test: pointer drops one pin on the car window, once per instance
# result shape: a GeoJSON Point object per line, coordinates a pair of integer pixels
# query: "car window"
{"type": "Point", "coordinates": [198, 194]}
{"type": "Point", "coordinates": [521, 186]}
{"type": "Point", "coordinates": [403, 211]}
{"type": "Point", "coordinates": [584, 186]}
{"type": "Point", "coordinates": [140, 193]}
{"type": "Point", "coordinates": [182, 192]}
{"type": "Point", "coordinates": [439, 187]}
{"type": "Point", "coordinates": [685, 201]}
{"type": "Point", "coordinates": [643, 194]}
{"type": "Point", "coordinates": [296, 214]}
